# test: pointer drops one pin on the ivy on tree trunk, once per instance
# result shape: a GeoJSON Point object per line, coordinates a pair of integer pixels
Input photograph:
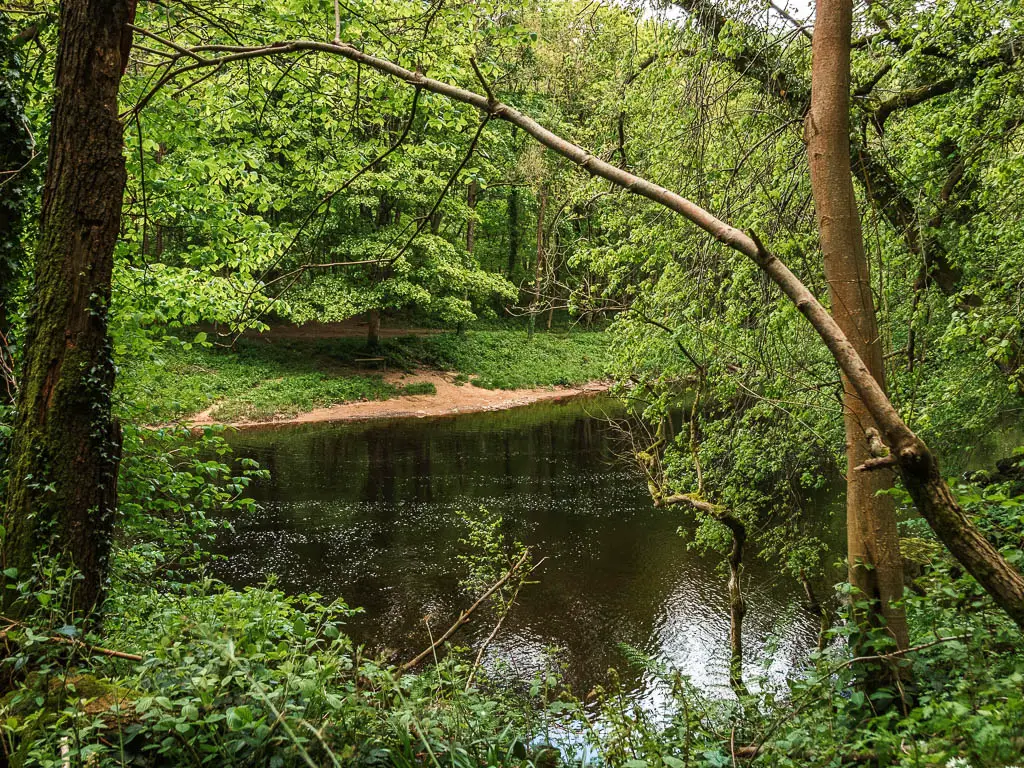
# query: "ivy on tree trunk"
{"type": "Point", "coordinates": [61, 498]}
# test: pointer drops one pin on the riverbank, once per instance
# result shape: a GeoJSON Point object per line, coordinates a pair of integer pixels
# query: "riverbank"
{"type": "Point", "coordinates": [286, 379]}
{"type": "Point", "coordinates": [447, 399]}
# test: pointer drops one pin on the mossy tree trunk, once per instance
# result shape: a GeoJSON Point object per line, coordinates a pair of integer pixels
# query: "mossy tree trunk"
{"type": "Point", "coordinates": [65, 452]}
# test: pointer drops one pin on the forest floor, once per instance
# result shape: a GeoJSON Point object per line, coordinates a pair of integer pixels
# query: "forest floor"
{"type": "Point", "coordinates": [289, 376]}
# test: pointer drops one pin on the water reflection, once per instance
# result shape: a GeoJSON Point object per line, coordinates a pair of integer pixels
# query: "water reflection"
{"type": "Point", "coordinates": [370, 512]}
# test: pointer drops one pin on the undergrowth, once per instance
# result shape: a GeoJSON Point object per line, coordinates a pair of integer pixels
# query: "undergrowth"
{"type": "Point", "coordinates": [255, 677]}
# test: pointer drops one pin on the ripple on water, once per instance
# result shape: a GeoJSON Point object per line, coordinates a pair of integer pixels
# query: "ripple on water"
{"type": "Point", "coordinates": [371, 513]}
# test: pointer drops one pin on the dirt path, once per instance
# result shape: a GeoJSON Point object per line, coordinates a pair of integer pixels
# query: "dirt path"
{"type": "Point", "coordinates": [450, 399]}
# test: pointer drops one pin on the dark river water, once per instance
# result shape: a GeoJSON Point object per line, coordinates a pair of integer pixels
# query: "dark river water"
{"type": "Point", "coordinates": [371, 513]}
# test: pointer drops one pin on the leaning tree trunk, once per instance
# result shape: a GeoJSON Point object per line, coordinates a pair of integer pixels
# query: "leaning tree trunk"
{"type": "Point", "coordinates": [61, 495]}
{"type": "Point", "coordinates": [875, 566]}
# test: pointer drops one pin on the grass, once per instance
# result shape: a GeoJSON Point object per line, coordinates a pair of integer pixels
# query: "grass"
{"type": "Point", "coordinates": [512, 360]}
{"type": "Point", "coordinates": [260, 380]}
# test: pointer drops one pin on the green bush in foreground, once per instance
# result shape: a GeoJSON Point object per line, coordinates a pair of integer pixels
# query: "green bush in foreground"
{"type": "Point", "coordinates": [254, 677]}
{"type": "Point", "coordinates": [258, 678]}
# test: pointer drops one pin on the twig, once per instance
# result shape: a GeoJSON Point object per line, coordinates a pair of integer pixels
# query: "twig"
{"type": "Point", "coordinates": [464, 616]}
{"type": "Point", "coordinates": [878, 463]}
{"type": "Point", "coordinates": [483, 82]}
{"type": "Point", "coordinates": [497, 627]}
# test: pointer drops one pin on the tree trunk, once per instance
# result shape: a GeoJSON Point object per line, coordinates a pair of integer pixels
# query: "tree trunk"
{"type": "Point", "coordinates": [472, 193]}
{"type": "Point", "coordinates": [513, 230]}
{"type": "Point", "coordinates": [875, 566]}
{"type": "Point", "coordinates": [61, 498]}
{"type": "Point", "coordinates": [538, 269]}
{"type": "Point", "coordinates": [737, 605]}
{"type": "Point", "coordinates": [373, 328]}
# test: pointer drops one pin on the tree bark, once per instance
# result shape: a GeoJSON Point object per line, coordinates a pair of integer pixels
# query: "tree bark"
{"type": "Point", "coordinates": [538, 269]}
{"type": "Point", "coordinates": [873, 551]}
{"type": "Point", "coordinates": [61, 497]}
{"type": "Point", "coordinates": [513, 230]}
{"type": "Point", "coordinates": [373, 328]}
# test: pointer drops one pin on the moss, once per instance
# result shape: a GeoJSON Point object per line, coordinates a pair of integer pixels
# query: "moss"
{"type": "Point", "coordinates": [28, 722]}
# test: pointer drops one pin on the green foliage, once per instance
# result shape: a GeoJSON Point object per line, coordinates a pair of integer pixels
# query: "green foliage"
{"type": "Point", "coordinates": [510, 360]}
{"type": "Point", "coordinates": [237, 678]}
{"type": "Point", "coordinates": [176, 490]}
{"type": "Point", "coordinates": [258, 194]}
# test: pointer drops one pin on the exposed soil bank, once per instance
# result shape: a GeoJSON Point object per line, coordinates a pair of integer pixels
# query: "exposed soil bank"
{"type": "Point", "coordinates": [451, 399]}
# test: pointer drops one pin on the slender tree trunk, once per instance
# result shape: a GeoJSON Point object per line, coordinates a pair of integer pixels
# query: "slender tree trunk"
{"type": "Point", "coordinates": [472, 193]}
{"type": "Point", "coordinates": [61, 496]}
{"type": "Point", "coordinates": [513, 231]}
{"type": "Point", "coordinates": [538, 268]}
{"type": "Point", "coordinates": [373, 328]}
{"type": "Point", "coordinates": [737, 605]}
{"type": "Point", "coordinates": [816, 609]}
{"type": "Point", "coordinates": [875, 566]}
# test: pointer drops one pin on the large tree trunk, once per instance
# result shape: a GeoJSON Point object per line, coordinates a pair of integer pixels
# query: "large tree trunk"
{"type": "Point", "coordinates": [875, 566]}
{"type": "Point", "coordinates": [61, 496]}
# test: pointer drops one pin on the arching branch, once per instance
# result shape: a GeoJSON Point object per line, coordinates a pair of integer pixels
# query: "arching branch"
{"type": "Point", "coordinates": [918, 467]}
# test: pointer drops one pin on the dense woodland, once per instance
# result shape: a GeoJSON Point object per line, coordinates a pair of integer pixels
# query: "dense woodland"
{"type": "Point", "coordinates": [790, 237]}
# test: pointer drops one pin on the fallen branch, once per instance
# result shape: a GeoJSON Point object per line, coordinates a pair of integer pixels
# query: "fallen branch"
{"type": "Point", "coordinates": [497, 626]}
{"type": "Point", "coordinates": [464, 616]}
{"type": "Point", "coordinates": [11, 623]}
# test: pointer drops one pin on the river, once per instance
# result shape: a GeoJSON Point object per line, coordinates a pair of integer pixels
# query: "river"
{"type": "Point", "coordinates": [370, 512]}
